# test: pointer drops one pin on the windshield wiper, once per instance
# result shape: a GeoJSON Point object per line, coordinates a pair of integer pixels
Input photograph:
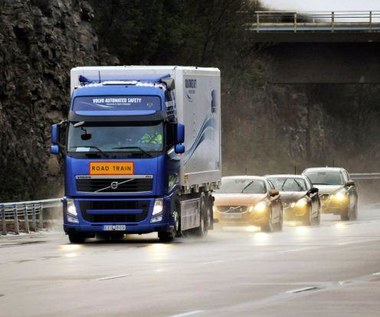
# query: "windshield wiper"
{"type": "Point", "coordinates": [246, 186]}
{"type": "Point", "coordinates": [130, 148]}
{"type": "Point", "coordinates": [91, 147]}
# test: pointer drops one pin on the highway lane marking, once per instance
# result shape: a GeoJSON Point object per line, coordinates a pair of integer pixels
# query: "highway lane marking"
{"type": "Point", "coordinates": [111, 277]}
{"type": "Point", "coordinates": [190, 313]}
{"type": "Point", "coordinates": [213, 262]}
{"type": "Point", "coordinates": [304, 289]}
{"type": "Point", "coordinates": [358, 241]}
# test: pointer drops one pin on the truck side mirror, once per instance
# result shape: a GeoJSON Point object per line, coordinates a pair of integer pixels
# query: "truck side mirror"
{"type": "Point", "coordinates": [180, 133]}
{"type": "Point", "coordinates": [54, 134]}
{"type": "Point", "coordinates": [179, 148]}
{"type": "Point", "coordinates": [54, 149]}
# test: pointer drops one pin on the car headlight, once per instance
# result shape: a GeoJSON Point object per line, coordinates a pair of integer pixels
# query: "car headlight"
{"type": "Point", "coordinates": [158, 206]}
{"type": "Point", "coordinates": [301, 203]}
{"type": "Point", "coordinates": [260, 207]}
{"type": "Point", "coordinates": [70, 208]}
{"type": "Point", "coordinates": [339, 196]}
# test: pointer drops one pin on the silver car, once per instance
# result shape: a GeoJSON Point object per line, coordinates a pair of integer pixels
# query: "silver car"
{"type": "Point", "coordinates": [337, 191]}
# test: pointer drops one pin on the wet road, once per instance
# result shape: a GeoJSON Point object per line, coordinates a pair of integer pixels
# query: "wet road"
{"type": "Point", "coordinates": [331, 270]}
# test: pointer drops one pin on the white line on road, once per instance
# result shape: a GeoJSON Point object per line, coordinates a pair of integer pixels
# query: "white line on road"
{"type": "Point", "coordinates": [213, 262]}
{"type": "Point", "coordinates": [304, 289]}
{"type": "Point", "coordinates": [111, 277]}
{"type": "Point", "coordinates": [190, 313]}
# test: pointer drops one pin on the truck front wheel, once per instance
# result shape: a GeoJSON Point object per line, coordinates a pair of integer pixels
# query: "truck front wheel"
{"type": "Point", "coordinates": [77, 238]}
{"type": "Point", "coordinates": [165, 236]}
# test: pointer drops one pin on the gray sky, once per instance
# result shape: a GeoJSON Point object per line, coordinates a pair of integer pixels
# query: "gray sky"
{"type": "Point", "coordinates": [322, 5]}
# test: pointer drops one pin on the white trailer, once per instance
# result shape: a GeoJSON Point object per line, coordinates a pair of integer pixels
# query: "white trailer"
{"type": "Point", "coordinates": [198, 102]}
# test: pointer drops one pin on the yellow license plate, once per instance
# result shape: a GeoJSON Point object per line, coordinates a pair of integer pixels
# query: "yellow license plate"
{"type": "Point", "coordinates": [116, 168]}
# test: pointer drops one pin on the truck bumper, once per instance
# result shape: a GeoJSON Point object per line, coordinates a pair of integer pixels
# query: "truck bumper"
{"type": "Point", "coordinates": [155, 227]}
{"type": "Point", "coordinates": [117, 215]}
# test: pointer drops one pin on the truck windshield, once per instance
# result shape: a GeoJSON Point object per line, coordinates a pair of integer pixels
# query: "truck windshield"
{"type": "Point", "coordinates": [103, 139]}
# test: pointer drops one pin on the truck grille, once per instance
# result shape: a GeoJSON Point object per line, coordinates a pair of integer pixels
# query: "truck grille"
{"type": "Point", "coordinates": [119, 185]}
{"type": "Point", "coordinates": [114, 211]}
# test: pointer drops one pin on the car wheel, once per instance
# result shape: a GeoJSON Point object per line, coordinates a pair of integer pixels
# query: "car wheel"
{"type": "Point", "coordinates": [280, 221]}
{"type": "Point", "coordinates": [344, 216]}
{"type": "Point", "coordinates": [354, 213]}
{"type": "Point", "coordinates": [306, 221]}
{"type": "Point", "coordinates": [268, 227]}
{"type": "Point", "coordinates": [77, 238]}
{"type": "Point", "coordinates": [317, 220]}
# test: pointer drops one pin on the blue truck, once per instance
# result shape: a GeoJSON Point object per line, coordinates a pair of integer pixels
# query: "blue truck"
{"type": "Point", "coordinates": [142, 151]}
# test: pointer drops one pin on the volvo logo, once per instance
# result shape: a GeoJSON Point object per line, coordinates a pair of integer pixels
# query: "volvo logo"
{"type": "Point", "coordinates": [114, 185]}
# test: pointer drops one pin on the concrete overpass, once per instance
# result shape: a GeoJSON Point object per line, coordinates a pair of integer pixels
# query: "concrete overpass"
{"type": "Point", "coordinates": [320, 47]}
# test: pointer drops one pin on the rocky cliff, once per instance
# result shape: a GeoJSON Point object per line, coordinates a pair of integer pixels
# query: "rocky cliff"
{"type": "Point", "coordinates": [40, 40]}
{"type": "Point", "coordinates": [267, 128]}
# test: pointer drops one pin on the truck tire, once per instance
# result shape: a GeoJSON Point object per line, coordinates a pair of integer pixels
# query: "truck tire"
{"type": "Point", "coordinates": [77, 238]}
{"type": "Point", "coordinates": [210, 204]}
{"type": "Point", "coordinates": [165, 236]}
{"type": "Point", "coordinates": [202, 230]}
{"type": "Point", "coordinates": [177, 219]}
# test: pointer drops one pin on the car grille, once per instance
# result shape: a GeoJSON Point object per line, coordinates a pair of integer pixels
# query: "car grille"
{"type": "Point", "coordinates": [324, 196]}
{"type": "Point", "coordinates": [232, 209]}
{"type": "Point", "coordinates": [114, 211]}
{"type": "Point", "coordinates": [119, 185]}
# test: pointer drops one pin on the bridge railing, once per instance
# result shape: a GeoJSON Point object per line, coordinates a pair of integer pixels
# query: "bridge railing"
{"type": "Point", "coordinates": [26, 215]}
{"type": "Point", "coordinates": [322, 21]}
{"type": "Point", "coordinates": [365, 176]}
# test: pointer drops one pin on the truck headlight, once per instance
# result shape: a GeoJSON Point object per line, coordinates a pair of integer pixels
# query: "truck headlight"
{"type": "Point", "coordinates": [158, 206]}
{"type": "Point", "coordinates": [260, 207]}
{"type": "Point", "coordinates": [70, 208]}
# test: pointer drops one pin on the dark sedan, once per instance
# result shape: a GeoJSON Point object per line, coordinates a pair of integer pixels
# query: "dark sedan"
{"type": "Point", "coordinates": [336, 189]}
{"type": "Point", "coordinates": [299, 198]}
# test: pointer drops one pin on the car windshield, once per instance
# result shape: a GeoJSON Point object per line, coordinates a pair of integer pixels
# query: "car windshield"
{"type": "Point", "coordinates": [91, 137]}
{"type": "Point", "coordinates": [245, 186]}
{"type": "Point", "coordinates": [288, 184]}
{"type": "Point", "coordinates": [325, 177]}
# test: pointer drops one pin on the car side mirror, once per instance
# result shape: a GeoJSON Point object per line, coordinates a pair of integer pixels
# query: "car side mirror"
{"type": "Point", "coordinates": [313, 190]}
{"type": "Point", "coordinates": [350, 183]}
{"type": "Point", "coordinates": [274, 192]}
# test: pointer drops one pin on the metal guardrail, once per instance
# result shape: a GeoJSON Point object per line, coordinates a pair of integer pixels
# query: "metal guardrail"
{"type": "Point", "coordinates": [28, 213]}
{"type": "Point", "coordinates": [320, 21]}
{"type": "Point", "coordinates": [365, 176]}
